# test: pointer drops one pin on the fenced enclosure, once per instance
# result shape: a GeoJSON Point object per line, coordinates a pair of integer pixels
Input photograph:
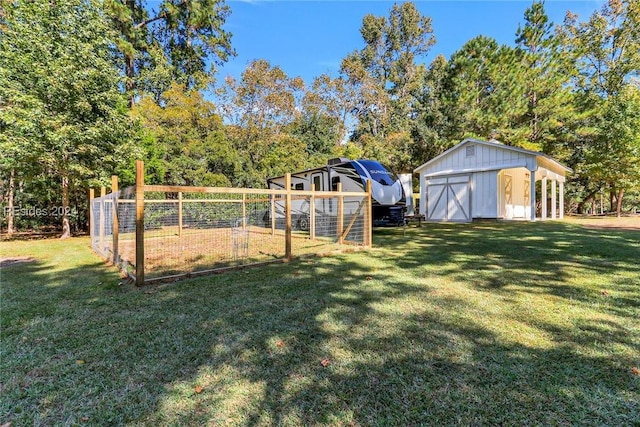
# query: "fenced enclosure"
{"type": "Point", "coordinates": [157, 232]}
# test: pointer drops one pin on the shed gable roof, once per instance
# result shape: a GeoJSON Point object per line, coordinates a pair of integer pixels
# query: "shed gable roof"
{"type": "Point", "coordinates": [494, 145]}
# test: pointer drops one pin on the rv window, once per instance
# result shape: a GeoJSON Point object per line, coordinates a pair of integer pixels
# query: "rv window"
{"type": "Point", "coordinates": [334, 183]}
{"type": "Point", "coordinates": [317, 183]}
{"type": "Point", "coordinates": [299, 186]}
{"type": "Point", "coordinates": [378, 172]}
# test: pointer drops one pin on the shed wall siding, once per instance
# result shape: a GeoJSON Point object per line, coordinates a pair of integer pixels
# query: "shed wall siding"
{"type": "Point", "coordinates": [484, 197]}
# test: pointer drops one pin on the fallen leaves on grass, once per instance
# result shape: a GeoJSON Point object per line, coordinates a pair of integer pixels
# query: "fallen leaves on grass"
{"type": "Point", "coordinates": [325, 362]}
{"type": "Point", "coordinates": [279, 344]}
{"type": "Point", "coordinates": [635, 371]}
{"type": "Point", "coordinates": [198, 389]}
{"type": "Point", "coordinates": [80, 362]}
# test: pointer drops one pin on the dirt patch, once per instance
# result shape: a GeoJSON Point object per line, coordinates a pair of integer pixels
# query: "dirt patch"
{"type": "Point", "coordinates": [16, 260]}
{"type": "Point", "coordinates": [628, 223]}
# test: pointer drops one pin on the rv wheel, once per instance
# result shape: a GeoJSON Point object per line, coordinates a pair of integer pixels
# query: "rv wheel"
{"type": "Point", "coordinates": [303, 223]}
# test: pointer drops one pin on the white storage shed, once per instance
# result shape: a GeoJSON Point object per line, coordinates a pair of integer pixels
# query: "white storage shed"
{"type": "Point", "coordinates": [487, 179]}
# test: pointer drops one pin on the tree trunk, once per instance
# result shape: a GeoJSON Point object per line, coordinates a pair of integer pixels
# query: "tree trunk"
{"type": "Point", "coordinates": [129, 61]}
{"type": "Point", "coordinates": [612, 198]}
{"type": "Point", "coordinates": [66, 227]}
{"type": "Point", "coordinates": [130, 81]}
{"type": "Point", "coordinates": [619, 207]}
{"type": "Point", "coordinates": [10, 207]}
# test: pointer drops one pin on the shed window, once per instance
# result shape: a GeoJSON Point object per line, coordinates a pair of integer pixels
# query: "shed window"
{"type": "Point", "coordinates": [471, 150]}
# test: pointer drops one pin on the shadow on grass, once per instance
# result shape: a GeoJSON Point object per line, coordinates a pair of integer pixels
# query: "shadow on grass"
{"type": "Point", "coordinates": [524, 257]}
{"type": "Point", "coordinates": [358, 339]}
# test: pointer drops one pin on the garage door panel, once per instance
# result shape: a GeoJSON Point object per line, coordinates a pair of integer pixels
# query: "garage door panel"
{"type": "Point", "coordinates": [449, 199]}
{"type": "Point", "coordinates": [459, 202]}
{"type": "Point", "coordinates": [437, 202]}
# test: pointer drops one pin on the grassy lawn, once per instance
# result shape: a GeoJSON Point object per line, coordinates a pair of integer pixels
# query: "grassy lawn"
{"type": "Point", "coordinates": [470, 324]}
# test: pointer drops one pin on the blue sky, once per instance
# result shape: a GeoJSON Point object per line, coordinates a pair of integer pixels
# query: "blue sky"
{"type": "Point", "coordinates": [308, 38]}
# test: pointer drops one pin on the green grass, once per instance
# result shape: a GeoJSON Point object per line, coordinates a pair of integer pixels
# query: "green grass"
{"type": "Point", "coordinates": [471, 324]}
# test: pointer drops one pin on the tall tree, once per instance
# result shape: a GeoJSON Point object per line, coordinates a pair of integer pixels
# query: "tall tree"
{"type": "Point", "coordinates": [606, 47]}
{"type": "Point", "coordinates": [485, 95]}
{"type": "Point", "coordinates": [431, 130]}
{"type": "Point", "coordinates": [188, 139]}
{"type": "Point", "coordinates": [259, 110]}
{"type": "Point", "coordinates": [60, 93]}
{"type": "Point", "coordinates": [607, 52]}
{"type": "Point", "coordinates": [544, 72]}
{"type": "Point", "coordinates": [170, 40]}
{"type": "Point", "coordinates": [613, 158]}
{"type": "Point", "coordinates": [387, 76]}
{"type": "Point", "coordinates": [332, 101]}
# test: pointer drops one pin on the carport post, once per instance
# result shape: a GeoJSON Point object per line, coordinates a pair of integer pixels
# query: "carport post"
{"type": "Point", "coordinates": [554, 195]}
{"type": "Point", "coordinates": [561, 195]}
{"type": "Point", "coordinates": [543, 213]}
{"type": "Point", "coordinates": [532, 195]}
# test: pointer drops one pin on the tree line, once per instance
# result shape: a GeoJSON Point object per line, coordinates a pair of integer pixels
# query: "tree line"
{"type": "Point", "coordinates": [88, 86]}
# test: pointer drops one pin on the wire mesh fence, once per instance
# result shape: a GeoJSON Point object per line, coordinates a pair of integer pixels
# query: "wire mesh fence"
{"type": "Point", "coordinates": [111, 228]}
{"type": "Point", "coordinates": [189, 230]}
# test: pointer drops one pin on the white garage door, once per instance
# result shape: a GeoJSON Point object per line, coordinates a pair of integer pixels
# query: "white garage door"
{"type": "Point", "coordinates": [449, 199]}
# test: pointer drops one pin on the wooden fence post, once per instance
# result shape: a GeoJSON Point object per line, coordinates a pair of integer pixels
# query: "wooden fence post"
{"type": "Point", "coordinates": [91, 218]}
{"type": "Point", "coordinates": [287, 213]}
{"type": "Point", "coordinates": [368, 217]}
{"type": "Point", "coordinates": [179, 213]}
{"type": "Point", "coordinates": [272, 198]}
{"type": "Point", "coordinates": [114, 219]}
{"type": "Point", "coordinates": [139, 222]}
{"type": "Point", "coordinates": [103, 192]}
{"type": "Point", "coordinates": [244, 211]}
{"type": "Point", "coordinates": [340, 225]}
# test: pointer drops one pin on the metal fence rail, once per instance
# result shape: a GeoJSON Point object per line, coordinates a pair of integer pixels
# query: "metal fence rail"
{"type": "Point", "coordinates": [178, 231]}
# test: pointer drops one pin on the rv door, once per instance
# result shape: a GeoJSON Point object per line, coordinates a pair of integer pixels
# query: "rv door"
{"type": "Point", "coordinates": [316, 179]}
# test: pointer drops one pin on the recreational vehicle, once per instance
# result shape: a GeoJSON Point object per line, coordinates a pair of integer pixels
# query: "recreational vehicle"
{"type": "Point", "coordinates": [388, 195]}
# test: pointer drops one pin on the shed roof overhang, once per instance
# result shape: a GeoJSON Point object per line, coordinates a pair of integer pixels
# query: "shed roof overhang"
{"type": "Point", "coordinates": [520, 164]}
